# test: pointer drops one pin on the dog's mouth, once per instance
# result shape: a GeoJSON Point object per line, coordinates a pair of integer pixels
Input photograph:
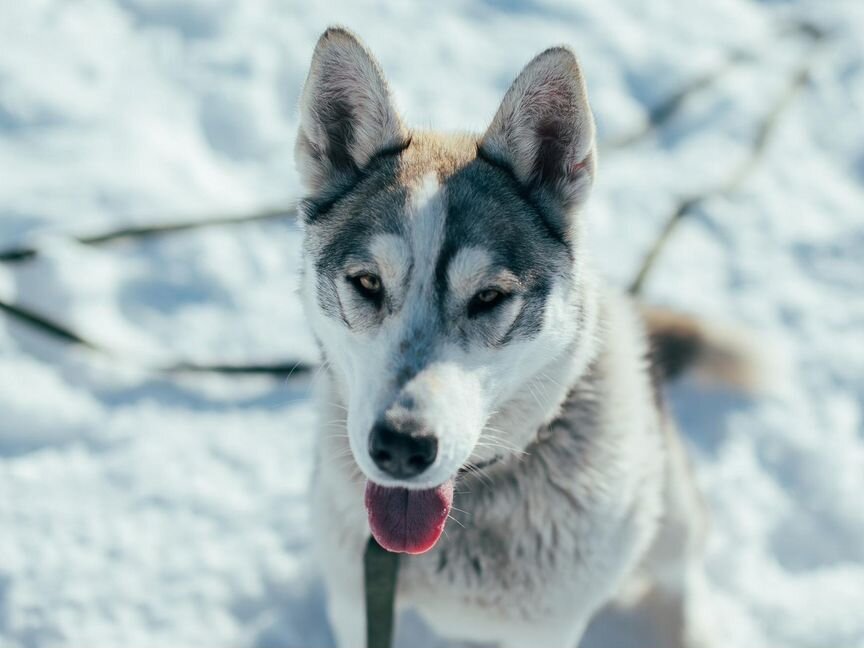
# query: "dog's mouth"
{"type": "Point", "coordinates": [412, 521]}
{"type": "Point", "coordinates": [408, 521]}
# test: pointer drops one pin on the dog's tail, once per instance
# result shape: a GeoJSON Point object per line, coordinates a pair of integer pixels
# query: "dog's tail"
{"type": "Point", "coordinates": [715, 353]}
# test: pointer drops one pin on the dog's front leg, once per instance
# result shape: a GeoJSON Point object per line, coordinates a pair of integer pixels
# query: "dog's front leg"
{"type": "Point", "coordinates": [345, 607]}
{"type": "Point", "coordinates": [564, 633]}
{"type": "Point", "coordinates": [339, 540]}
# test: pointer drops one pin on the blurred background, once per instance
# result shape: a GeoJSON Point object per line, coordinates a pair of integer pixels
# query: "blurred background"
{"type": "Point", "coordinates": [155, 444]}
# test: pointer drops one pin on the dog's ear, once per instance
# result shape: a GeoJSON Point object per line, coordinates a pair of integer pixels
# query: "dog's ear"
{"type": "Point", "coordinates": [544, 133]}
{"type": "Point", "coordinates": [346, 113]}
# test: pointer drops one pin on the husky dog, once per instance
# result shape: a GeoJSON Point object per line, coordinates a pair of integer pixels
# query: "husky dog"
{"type": "Point", "coordinates": [479, 376]}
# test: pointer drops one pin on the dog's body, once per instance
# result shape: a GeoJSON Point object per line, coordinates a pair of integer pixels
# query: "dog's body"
{"type": "Point", "coordinates": [473, 359]}
{"type": "Point", "coordinates": [540, 542]}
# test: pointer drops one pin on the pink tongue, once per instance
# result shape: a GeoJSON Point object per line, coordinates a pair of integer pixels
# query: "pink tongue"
{"type": "Point", "coordinates": [408, 521]}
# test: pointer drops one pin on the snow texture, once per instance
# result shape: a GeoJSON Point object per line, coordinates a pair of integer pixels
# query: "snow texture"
{"type": "Point", "coordinates": [140, 509]}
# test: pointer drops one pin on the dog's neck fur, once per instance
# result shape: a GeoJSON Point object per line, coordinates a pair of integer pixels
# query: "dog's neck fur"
{"type": "Point", "coordinates": [542, 395]}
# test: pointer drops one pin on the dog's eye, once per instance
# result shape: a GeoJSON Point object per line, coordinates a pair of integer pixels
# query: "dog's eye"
{"type": "Point", "coordinates": [485, 300]}
{"type": "Point", "coordinates": [368, 285]}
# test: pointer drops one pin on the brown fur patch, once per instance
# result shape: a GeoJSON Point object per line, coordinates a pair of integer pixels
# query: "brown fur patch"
{"type": "Point", "coordinates": [441, 153]}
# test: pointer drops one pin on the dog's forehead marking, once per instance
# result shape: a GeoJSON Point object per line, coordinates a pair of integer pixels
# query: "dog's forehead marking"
{"type": "Point", "coordinates": [467, 270]}
{"type": "Point", "coordinates": [427, 214]}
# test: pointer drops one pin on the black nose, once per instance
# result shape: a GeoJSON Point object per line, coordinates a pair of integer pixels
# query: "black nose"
{"type": "Point", "coordinates": [401, 454]}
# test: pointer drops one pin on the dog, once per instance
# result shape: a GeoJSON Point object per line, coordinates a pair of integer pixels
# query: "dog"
{"type": "Point", "coordinates": [478, 376]}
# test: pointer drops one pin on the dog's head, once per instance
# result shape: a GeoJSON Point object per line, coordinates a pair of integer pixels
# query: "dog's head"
{"type": "Point", "coordinates": [442, 275]}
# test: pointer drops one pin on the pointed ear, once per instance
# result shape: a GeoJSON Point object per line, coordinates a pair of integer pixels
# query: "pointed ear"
{"type": "Point", "coordinates": [346, 114]}
{"type": "Point", "coordinates": [544, 133]}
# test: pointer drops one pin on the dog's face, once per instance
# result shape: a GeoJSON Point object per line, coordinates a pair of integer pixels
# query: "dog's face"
{"type": "Point", "coordinates": [441, 273]}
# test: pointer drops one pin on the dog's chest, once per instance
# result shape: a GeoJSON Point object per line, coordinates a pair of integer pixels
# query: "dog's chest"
{"type": "Point", "coordinates": [501, 562]}
{"type": "Point", "coordinates": [523, 549]}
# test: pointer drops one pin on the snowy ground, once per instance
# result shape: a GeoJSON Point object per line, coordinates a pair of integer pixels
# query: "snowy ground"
{"type": "Point", "coordinates": [138, 509]}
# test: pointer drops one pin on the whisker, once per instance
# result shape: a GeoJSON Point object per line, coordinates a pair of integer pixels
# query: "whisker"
{"type": "Point", "coordinates": [534, 394]}
{"type": "Point", "coordinates": [508, 448]}
{"type": "Point", "coordinates": [498, 442]}
{"type": "Point", "coordinates": [337, 405]}
{"type": "Point", "coordinates": [317, 375]}
{"type": "Point", "coordinates": [546, 376]}
{"type": "Point", "coordinates": [494, 437]}
{"type": "Point", "coordinates": [349, 466]}
{"type": "Point", "coordinates": [345, 454]}
{"type": "Point", "coordinates": [472, 470]}
{"type": "Point", "coordinates": [450, 517]}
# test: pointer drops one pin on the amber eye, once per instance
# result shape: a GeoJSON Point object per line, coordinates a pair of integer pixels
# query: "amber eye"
{"type": "Point", "coordinates": [485, 300]}
{"type": "Point", "coordinates": [368, 285]}
{"type": "Point", "coordinates": [488, 296]}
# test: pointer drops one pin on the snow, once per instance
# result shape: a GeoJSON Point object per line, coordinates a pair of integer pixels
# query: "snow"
{"type": "Point", "coordinates": [139, 508]}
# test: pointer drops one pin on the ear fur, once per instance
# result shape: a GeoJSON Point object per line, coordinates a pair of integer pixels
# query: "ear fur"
{"type": "Point", "coordinates": [346, 113]}
{"type": "Point", "coordinates": [544, 132]}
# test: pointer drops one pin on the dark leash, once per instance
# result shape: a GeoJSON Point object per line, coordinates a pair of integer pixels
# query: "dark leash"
{"type": "Point", "coordinates": [380, 571]}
